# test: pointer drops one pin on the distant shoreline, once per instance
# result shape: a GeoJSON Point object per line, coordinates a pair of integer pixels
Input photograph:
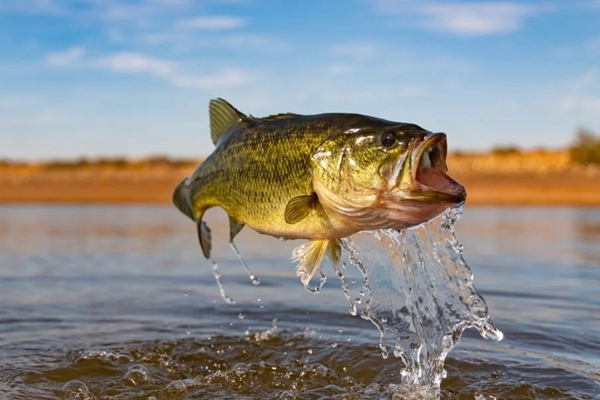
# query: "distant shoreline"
{"type": "Point", "coordinates": [523, 179]}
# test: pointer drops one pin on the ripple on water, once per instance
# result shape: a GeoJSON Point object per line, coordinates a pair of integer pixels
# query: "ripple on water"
{"type": "Point", "coordinates": [275, 364]}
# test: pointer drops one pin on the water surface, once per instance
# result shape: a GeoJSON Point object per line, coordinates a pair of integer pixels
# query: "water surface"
{"type": "Point", "coordinates": [117, 302]}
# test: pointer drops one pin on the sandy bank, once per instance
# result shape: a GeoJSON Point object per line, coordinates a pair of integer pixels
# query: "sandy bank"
{"type": "Point", "coordinates": [534, 178]}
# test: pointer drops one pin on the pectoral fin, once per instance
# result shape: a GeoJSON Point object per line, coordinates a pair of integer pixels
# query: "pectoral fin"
{"type": "Point", "coordinates": [299, 207]}
{"type": "Point", "coordinates": [204, 237]}
{"type": "Point", "coordinates": [309, 256]}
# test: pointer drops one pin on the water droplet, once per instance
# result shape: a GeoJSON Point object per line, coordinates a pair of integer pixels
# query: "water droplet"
{"type": "Point", "coordinates": [77, 390]}
{"type": "Point", "coordinates": [384, 353]}
{"type": "Point", "coordinates": [217, 275]}
{"type": "Point", "coordinates": [322, 280]}
{"type": "Point", "coordinates": [136, 374]}
{"type": "Point", "coordinates": [180, 386]}
{"type": "Point", "coordinates": [255, 279]}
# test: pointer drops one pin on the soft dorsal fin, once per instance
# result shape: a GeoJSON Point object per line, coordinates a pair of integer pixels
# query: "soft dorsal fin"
{"type": "Point", "coordinates": [280, 116]}
{"type": "Point", "coordinates": [222, 116]}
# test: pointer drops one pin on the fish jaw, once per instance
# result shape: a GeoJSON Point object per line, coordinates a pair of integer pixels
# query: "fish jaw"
{"type": "Point", "coordinates": [421, 175]}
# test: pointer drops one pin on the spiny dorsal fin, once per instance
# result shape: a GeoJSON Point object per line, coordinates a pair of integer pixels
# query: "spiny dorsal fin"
{"type": "Point", "coordinates": [299, 207]}
{"type": "Point", "coordinates": [222, 116]}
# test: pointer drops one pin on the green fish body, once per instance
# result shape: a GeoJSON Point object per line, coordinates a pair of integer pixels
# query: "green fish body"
{"type": "Point", "coordinates": [318, 177]}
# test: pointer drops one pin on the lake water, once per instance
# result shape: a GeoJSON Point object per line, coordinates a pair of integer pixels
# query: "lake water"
{"type": "Point", "coordinates": [117, 302]}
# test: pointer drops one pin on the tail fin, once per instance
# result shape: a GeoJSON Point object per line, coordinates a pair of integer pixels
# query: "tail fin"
{"type": "Point", "coordinates": [182, 201]}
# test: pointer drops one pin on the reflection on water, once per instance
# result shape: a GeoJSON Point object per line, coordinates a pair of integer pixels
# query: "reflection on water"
{"type": "Point", "coordinates": [588, 235]}
{"type": "Point", "coordinates": [77, 281]}
{"type": "Point", "coordinates": [552, 235]}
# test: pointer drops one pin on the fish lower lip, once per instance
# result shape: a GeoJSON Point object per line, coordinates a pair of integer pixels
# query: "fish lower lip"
{"type": "Point", "coordinates": [426, 178]}
{"type": "Point", "coordinates": [432, 196]}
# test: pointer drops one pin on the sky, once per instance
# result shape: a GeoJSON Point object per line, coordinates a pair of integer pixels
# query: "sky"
{"type": "Point", "coordinates": [134, 77]}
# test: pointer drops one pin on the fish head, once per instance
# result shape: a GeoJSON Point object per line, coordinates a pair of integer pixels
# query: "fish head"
{"type": "Point", "coordinates": [389, 177]}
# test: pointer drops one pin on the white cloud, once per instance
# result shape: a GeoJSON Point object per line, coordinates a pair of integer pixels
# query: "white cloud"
{"type": "Point", "coordinates": [227, 78]}
{"type": "Point", "coordinates": [65, 58]}
{"type": "Point", "coordinates": [461, 17]}
{"type": "Point", "coordinates": [131, 62]}
{"type": "Point", "coordinates": [135, 62]}
{"type": "Point", "coordinates": [582, 95]}
{"type": "Point", "coordinates": [212, 23]}
{"type": "Point", "coordinates": [585, 103]}
{"type": "Point", "coordinates": [476, 18]}
{"type": "Point", "coordinates": [390, 59]}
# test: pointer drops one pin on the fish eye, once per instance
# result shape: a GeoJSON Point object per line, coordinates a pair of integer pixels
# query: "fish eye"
{"type": "Point", "coordinates": [388, 139]}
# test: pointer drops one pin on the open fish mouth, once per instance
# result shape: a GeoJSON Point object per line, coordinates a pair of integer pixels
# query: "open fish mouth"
{"type": "Point", "coordinates": [424, 172]}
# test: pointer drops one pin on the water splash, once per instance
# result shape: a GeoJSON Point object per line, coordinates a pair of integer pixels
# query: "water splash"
{"type": "Point", "coordinates": [322, 280]}
{"type": "Point", "coordinates": [255, 279]}
{"type": "Point", "coordinates": [418, 287]}
{"type": "Point", "coordinates": [217, 275]}
{"type": "Point", "coordinates": [345, 287]}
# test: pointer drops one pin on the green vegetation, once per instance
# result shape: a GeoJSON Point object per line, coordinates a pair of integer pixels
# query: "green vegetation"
{"type": "Point", "coordinates": [505, 149]}
{"type": "Point", "coordinates": [119, 163]}
{"type": "Point", "coordinates": [585, 148]}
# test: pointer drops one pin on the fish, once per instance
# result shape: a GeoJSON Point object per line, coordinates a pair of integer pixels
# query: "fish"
{"type": "Point", "coordinates": [318, 177]}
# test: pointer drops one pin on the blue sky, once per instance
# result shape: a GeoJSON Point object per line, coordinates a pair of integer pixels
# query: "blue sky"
{"type": "Point", "coordinates": [124, 77]}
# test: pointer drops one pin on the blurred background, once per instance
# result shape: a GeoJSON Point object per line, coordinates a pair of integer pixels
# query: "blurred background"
{"type": "Point", "coordinates": [104, 109]}
{"type": "Point", "coordinates": [102, 83]}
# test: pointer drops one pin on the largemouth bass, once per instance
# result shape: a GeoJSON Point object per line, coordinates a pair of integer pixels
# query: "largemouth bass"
{"type": "Point", "coordinates": [318, 177]}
